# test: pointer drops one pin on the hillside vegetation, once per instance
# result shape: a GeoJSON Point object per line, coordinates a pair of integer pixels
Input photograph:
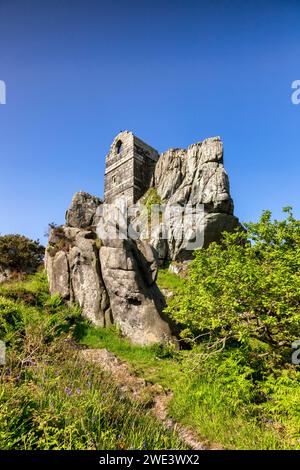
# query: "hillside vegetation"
{"type": "Point", "coordinates": [49, 398]}
{"type": "Point", "coordinates": [233, 381]}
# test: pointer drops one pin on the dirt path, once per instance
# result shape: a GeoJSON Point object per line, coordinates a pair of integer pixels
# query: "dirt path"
{"type": "Point", "coordinates": [154, 396]}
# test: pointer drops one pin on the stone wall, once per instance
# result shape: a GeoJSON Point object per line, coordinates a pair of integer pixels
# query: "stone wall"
{"type": "Point", "coordinates": [130, 166]}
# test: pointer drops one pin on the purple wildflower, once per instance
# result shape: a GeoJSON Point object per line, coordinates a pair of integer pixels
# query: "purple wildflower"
{"type": "Point", "coordinates": [68, 391]}
{"type": "Point", "coordinates": [78, 391]}
{"type": "Point", "coordinates": [17, 379]}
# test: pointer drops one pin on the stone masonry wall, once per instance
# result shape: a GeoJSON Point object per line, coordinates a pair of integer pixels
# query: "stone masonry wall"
{"type": "Point", "coordinates": [129, 171]}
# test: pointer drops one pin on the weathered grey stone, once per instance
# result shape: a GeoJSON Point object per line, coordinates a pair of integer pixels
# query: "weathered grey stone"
{"type": "Point", "coordinates": [57, 267]}
{"type": "Point", "coordinates": [136, 306]}
{"type": "Point", "coordinates": [195, 176]}
{"type": "Point", "coordinates": [73, 268]}
{"type": "Point", "coordinates": [169, 172]}
{"type": "Point", "coordinates": [87, 285]}
{"type": "Point", "coordinates": [216, 224]}
{"type": "Point", "coordinates": [194, 179]}
{"type": "Point", "coordinates": [112, 278]}
{"type": "Point", "coordinates": [5, 274]}
{"type": "Point", "coordinates": [147, 259]}
{"type": "Point", "coordinates": [83, 209]}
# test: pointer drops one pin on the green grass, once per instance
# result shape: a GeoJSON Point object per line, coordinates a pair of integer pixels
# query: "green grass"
{"type": "Point", "coordinates": [169, 281]}
{"type": "Point", "coordinates": [49, 399]}
{"type": "Point", "coordinates": [217, 404]}
{"type": "Point", "coordinates": [144, 361]}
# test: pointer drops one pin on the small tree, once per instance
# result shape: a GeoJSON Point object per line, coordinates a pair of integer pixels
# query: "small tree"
{"type": "Point", "coordinates": [245, 289]}
{"type": "Point", "coordinates": [19, 253]}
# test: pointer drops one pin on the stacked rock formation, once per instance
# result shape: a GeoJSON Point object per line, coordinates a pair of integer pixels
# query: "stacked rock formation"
{"type": "Point", "coordinates": [113, 280]}
{"type": "Point", "coordinates": [191, 177]}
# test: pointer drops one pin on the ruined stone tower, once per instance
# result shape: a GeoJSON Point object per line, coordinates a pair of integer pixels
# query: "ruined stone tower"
{"type": "Point", "coordinates": [130, 165]}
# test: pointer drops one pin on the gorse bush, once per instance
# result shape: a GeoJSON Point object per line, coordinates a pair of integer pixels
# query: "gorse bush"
{"type": "Point", "coordinates": [245, 290]}
{"type": "Point", "coordinates": [20, 254]}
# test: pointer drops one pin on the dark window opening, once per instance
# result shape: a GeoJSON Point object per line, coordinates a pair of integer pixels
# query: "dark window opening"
{"type": "Point", "coordinates": [119, 147]}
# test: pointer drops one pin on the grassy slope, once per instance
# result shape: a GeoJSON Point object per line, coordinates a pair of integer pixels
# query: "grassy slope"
{"type": "Point", "coordinates": [41, 407]}
{"type": "Point", "coordinates": [203, 402]}
{"type": "Point", "coordinates": [49, 399]}
{"type": "Point", "coordinates": [196, 402]}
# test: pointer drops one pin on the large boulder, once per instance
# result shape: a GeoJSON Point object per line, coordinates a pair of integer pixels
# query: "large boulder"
{"type": "Point", "coordinates": [57, 268]}
{"type": "Point", "coordinates": [112, 280]}
{"type": "Point", "coordinates": [201, 177]}
{"type": "Point", "coordinates": [136, 302]}
{"type": "Point", "coordinates": [83, 211]}
{"type": "Point", "coordinates": [193, 187]}
{"type": "Point", "coordinates": [86, 280]}
{"type": "Point", "coordinates": [73, 269]}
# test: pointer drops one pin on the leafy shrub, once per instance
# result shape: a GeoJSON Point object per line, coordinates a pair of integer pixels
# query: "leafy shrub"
{"type": "Point", "coordinates": [19, 253]}
{"type": "Point", "coordinates": [245, 289]}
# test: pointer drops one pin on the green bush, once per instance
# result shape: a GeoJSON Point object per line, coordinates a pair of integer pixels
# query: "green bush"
{"type": "Point", "coordinates": [245, 289]}
{"type": "Point", "coordinates": [20, 254]}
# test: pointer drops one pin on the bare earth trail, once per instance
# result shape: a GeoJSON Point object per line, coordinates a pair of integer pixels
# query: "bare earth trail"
{"type": "Point", "coordinates": [138, 389]}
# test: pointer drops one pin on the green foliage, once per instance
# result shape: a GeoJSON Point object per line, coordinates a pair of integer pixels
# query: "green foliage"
{"type": "Point", "coordinates": [20, 254]}
{"type": "Point", "coordinates": [49, 397]}
{"type": "Point", "coordinates": [221, 399]}
{"type": "Point", "coordinates": [219, 395]}
{"type": "Point", "coordinates": [246, 288]}
{"type": "Point", "coordinates": [170, 281]}
{"type": "Point", "coordinates": [33, 290]}
{"type": "Point", "coordinates": [236, 386]}
{"type": "Point", "coordinates": [165, 351]}
{"type": "Point", "coordinates": [69, 404]}
{"type": "Point", "coordinates": [151, 198]}
{"type": "Point", "coordinates": [239, 308]}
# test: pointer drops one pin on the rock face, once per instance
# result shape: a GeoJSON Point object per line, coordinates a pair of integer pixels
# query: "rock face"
{"type": "Point", "coordinates": [196, 179]}
{"type": "Point", "coordinates": [113, 279]}
{"type": "Point", "coordinates": [194, 176]}
{"type": "Point", "coordinates": [136, 302]}
{"type": "Point", "coordinates": [73, 268]}
{"type": "Point", "coordinates": [83, 211]}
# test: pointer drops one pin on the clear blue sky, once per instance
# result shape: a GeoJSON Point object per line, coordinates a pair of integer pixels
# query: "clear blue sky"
{"type": "Point", "coordinates": [174, 72]}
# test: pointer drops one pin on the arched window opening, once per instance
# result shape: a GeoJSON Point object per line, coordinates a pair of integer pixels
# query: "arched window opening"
{"type": "Point", "coordinates": [119, 147]}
